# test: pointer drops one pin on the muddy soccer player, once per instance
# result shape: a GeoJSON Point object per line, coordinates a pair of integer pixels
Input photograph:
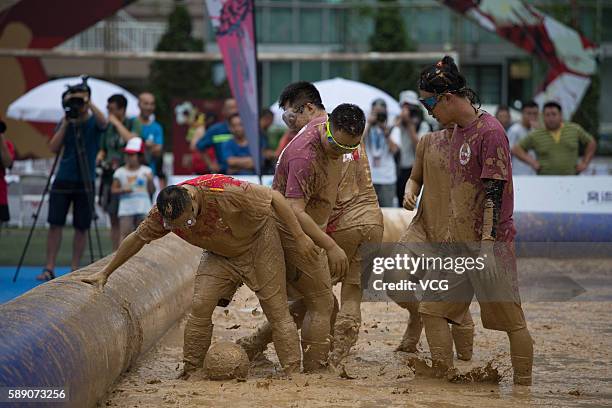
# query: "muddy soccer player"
{"type": "Point", "coordinates": [428, 228]}
{"type": "Point", "coordinates": [356, 225]}
{"type": "Point", "coordinates": [308, 174]}
{"type": "Point", "coordinates": [481, 208]}
{"type": "Point", "coordinates": [236, 223]}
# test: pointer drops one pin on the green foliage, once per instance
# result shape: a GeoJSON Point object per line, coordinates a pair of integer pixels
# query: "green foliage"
{"type": "Point", "coordinates": [390, 36]}
{"type": "Point", "coordinates": [180, 79]}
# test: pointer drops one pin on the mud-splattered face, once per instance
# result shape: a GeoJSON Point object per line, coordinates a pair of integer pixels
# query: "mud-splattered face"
{"type": "Point", "coordinates": [339, 142]}
{"type": "Point", "coordinates": [296, 117]}
{"type": "Point", "coordinates": [186, 220]}
{"type": "Point", "coordinates": [437, 105]}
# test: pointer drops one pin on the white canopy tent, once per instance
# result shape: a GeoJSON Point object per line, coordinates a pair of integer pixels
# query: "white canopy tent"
{"type": "Point", "coordinates": [339, 90]}
{"type": "Point", "coordinates": [43, 103]}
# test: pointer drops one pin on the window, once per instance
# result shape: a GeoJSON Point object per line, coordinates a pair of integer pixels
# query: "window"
{"type": "Point", "coordinates": [340, 69]}
{"type": "Point", "coordinates": [280, 27]}
{"type": "Point", "coordinates": [311, 26]}
{"type": "Point", "coordinates": [428, 24]}
{"type": "Point", "coordinates": [310, 71]}
{"type": "Point", "coordinates": [485, 80]}
{"type": "Point", "coordinates": [280, 76]}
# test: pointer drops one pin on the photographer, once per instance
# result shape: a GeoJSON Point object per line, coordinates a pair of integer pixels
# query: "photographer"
{"type": "Point", "coordinates": [380, 148]}
{"type": "Point", "coordinates": [408, 130]}
{"type": "Point", "coordinates": [110, 157]}
{"type": "Point", "coordinates": [85, 120]}
{"type": "Point", "coordinates": [7, 155]}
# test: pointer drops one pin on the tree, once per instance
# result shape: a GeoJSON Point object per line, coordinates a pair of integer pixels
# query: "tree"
{"type": "Point", "coordinates": [180, 79]}
{"type": "Point", "coordinates": [390, 36]}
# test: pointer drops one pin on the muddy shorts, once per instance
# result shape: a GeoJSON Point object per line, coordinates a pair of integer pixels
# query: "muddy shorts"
{"type": "Point", "coordinates": [304, 278]}
{"type": "Point", "coordinates": [499, 298]}
{"type": "Point", "coordinates": [256, 268]}
{"type": "Point", "coordinates": [357, 242]}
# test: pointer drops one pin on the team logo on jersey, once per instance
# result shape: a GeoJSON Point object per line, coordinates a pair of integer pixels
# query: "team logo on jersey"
{"type": "Point", "coordinates": [349, 157]}
{"type": "Point", "coordinates": [464, 154]}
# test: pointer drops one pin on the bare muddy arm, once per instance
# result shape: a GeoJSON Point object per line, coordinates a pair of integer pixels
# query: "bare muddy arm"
{"type": "Point", "coordinates": [128, 248]}
{"type": "Point", "coordinates": [336, 257]}
{"type": "Point", "coordinates": [305, 245]}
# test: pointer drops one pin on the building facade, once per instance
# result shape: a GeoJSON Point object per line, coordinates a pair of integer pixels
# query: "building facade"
{"type": "Point", "coordinates": [500, 72]}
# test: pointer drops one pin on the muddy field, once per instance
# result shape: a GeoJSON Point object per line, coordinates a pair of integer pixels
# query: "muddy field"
{"type": "Point", "coordinates": [573, 364]}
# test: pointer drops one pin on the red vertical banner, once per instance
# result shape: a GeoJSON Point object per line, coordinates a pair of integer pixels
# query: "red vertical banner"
{"type": "Point", "coordinates": [234, 26]}
{"type": "Point", "coordinates": [569, 54]}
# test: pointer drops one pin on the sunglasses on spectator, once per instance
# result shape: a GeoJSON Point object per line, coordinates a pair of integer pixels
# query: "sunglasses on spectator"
{"type": "Point", "coordinates": [337, 146]}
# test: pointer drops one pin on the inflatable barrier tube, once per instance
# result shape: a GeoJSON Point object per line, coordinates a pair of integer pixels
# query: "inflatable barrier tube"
{"type": "Point", "coordinates": [396, 221]}
{"type": "Point", "coordinates": [530, 226]}
{"type": "Point", "coordinates": [563, 227]}
{"type": "Point", "coordinates": [67, 334]}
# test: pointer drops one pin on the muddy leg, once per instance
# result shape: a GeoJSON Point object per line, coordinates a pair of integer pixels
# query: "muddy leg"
{"type": "Point", "coordinates": [521, 352]}
{"type": "Point", "coordinates": [463, 337]}
{"type": "Point", "coordinates": [440, 343]}
{"type": "Point", "coordinates": [346, 327]}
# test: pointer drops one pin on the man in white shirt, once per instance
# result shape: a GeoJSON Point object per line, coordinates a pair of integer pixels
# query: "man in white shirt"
{"type": "Point", "coordinates": [409, 128]}
{"type": "Point", "coordinates": [518, 131]}
{"type": "Point", "coordinates": [380, 149]}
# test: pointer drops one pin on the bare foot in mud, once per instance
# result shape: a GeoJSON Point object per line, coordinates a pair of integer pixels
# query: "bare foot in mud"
{"type": "Point", "coordinates": [407, 348]}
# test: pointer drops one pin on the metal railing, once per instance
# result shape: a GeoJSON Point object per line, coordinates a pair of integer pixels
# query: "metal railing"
{"type": "Point", "coordinates": [120, 33]}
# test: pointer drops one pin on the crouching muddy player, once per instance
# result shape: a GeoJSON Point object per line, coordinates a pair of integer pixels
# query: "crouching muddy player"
{"type": "Point", "coordinates": [235, 223]}
{"type": "Point", "coordinates": [308, 173]}
{"type": "Point", "coordinates": [356, 226]}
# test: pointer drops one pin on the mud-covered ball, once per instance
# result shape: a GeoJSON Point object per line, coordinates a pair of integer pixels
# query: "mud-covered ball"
{"type": "Point", "coordinates": [225, 361]}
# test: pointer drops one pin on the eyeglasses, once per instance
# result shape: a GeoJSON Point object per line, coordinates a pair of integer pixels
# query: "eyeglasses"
{"type": "Point", "coordinates": [339, 147]}
{"type": "Point", "coordinates": [187, 224]}
{"type": "Point", "coordinates": [290, 115]}
{"type": "Point", "coordinates": [430, 103]}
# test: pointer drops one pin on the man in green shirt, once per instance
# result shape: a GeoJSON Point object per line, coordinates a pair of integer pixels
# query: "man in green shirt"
{"type": "Point", "coordinates": [556, 146]}
{"type": "Point", "coordinates": [110, 157]}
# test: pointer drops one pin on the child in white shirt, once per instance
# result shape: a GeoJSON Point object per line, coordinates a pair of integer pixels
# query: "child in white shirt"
{"type": "Point", "coordinates": [133, 182]}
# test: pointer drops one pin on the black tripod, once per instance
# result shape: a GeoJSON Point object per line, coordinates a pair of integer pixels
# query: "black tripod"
{"type": "Point", "coordinates": [83, 166]}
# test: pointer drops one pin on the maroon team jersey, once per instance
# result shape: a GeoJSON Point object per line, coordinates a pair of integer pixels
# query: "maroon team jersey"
{"type": "Point", "coordinates": [479, 151]}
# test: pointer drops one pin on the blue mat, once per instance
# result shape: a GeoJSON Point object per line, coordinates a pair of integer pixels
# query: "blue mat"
{"type": "Point", "coordinates": [25, 281]}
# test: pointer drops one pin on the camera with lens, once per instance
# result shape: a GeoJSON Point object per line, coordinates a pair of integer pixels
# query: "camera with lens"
{"type": "Point", "coordinates": [381, 117]}
{"type": "Point", "coordinates": [73, 104]}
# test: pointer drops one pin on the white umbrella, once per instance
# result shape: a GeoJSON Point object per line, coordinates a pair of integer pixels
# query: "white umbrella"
{"type": "Point", "coordinates": [44, 103]}
{"type": "Point", "coordinates": [339, 90]}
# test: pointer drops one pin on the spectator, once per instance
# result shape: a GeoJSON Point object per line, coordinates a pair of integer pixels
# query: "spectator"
{"type": "Point", "coordinates": [216, 136]}
{"type": "Point", "coordinates": [517, 132]}
{"type": "Point", "coordinates": [266, 118]}
{"type": "Point", "coordinates": [69, 185]}
{"type": "Point", "coordinates": [504, 117]}
{"type": "Point", "coordinates": [197, 129]}
{"type": "Point", "coordinates": [7, 155]}
{"type": "Point", "coordinates": [120, 130]}
{"type": "Point", "coordinates": [556, 146]}
{"type": "Point", "coordinates": [153, 135]}
{"type": "Point", "coordinates": [408, 130]}
{"type": "Point", "coordinates": [133, 184]}
{"type": "Point", "coordinates": [380, 148]}
{"type": "Point", "coordinates": [236, 150]}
